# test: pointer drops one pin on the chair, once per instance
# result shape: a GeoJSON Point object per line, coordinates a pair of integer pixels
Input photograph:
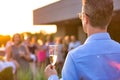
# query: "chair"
{"type": "Point", "coordinates": [7, 74]}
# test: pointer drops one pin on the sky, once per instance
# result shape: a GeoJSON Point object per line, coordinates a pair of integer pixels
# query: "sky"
{"type": "Point", "coordinates": [17, 16]}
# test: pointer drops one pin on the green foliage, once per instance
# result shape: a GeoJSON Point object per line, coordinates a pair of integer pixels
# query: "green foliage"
{"type": "Point", "coordinates": [24, 75]}
{"type": "Point", "coordinates": [4, 39]}
{"type": "Point", "coordinates": [28, 76]}
{"type": "Point", "coordinates": [40, 74]}
{"type": "Point", "coordinates": [41, 35]}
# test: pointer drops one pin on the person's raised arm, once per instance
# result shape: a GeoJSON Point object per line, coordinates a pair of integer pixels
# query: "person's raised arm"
{"type": "Point", "coordinates": [69, 71]}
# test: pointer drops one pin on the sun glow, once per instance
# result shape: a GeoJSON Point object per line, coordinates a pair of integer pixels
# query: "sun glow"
{"type": "Point", "coordinates": [33, 29]}
{"type": "Point", "coordinates": [16, 16]}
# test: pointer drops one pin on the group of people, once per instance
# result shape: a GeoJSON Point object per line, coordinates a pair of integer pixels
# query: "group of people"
{"type": "Point", "coordinates": [97, 59]}
{"type": "Point", "coordinates": [30, 53]}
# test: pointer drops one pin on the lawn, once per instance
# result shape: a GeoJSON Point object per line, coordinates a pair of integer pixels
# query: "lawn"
{"type": "Point", "coordinates": [39, 75]}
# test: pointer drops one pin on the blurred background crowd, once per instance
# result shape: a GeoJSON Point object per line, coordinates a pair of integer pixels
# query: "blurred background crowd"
{"type": "Point", "coordinates": [31, 52]}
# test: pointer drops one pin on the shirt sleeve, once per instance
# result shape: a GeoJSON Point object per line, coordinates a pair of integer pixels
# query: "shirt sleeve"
{"type": "Point", "coordinates": [69, 71]}
{"type": "Point", "coordinates": [53, 77]}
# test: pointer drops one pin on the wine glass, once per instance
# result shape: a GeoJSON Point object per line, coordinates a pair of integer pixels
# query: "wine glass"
{"type": "Point", "coordinates": [53, 51]}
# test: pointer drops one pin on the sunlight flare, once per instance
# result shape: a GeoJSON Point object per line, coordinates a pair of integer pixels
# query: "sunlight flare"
{"type": "Point", "coordinates": [16, 16]}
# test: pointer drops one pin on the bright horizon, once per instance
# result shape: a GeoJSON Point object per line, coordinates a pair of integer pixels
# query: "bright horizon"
{"type": "Point", "coordinates": [17, 16]}
{"type": "Point", "coordinates": [33, 29]}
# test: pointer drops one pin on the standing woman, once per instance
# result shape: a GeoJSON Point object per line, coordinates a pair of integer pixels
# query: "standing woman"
{"type": "Point", "coordinates": [19, 53]}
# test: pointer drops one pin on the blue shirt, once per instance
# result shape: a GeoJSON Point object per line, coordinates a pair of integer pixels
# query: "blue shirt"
{"type": "Point", "coordinates": [97, 59]}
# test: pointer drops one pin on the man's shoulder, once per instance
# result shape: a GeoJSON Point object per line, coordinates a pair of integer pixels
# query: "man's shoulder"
{"type": "Point", "coordinates": [79, 51]}
{"type": "Point", "coordinates": [93, 49]}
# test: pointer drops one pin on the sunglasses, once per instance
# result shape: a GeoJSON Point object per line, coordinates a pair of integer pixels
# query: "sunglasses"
{"type": "Point", "coordinates": [81, 15]}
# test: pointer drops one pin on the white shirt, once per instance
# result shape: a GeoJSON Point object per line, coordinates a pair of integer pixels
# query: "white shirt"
{"type": "Point", "coordinates": [5, 64]}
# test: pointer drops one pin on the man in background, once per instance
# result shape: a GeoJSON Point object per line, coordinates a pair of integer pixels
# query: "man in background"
{"type": "Point", "coordinates": [74, 43]}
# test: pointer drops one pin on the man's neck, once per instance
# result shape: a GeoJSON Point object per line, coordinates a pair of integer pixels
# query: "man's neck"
{"type": "Point", "coordinates": [92, 30]}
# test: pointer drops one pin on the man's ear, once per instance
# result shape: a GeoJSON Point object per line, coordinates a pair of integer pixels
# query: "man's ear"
{"type": "Point", "coordinates": [86, 20]}
{"type": "Point", "coordinates": [85, 23]}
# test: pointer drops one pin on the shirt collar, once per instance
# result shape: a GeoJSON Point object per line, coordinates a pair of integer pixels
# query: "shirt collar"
{"type": "Point", "coordinates": [98, 36]}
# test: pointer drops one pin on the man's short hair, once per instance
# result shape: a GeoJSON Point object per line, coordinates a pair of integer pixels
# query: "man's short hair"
{"type": "Point", "coordinates": [99, 12]}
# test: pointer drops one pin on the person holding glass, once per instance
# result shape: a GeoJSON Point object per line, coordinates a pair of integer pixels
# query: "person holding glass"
{"type": "Point", "coordinates": [99, 57]}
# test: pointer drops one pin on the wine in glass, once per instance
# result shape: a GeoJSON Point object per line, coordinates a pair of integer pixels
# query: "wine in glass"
{"type": "Point", "coordinates": [53, 51]}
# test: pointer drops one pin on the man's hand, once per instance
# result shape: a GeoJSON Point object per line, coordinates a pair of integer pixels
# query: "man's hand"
{"type": "Point", "coordinates": [50, 70]}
